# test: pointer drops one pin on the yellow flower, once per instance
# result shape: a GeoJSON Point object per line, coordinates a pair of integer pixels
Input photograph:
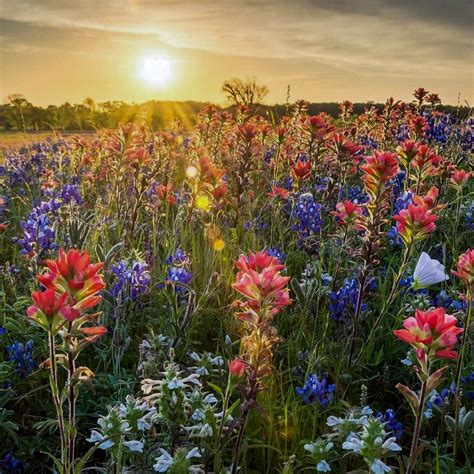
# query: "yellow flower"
{"type": "Point", "coordinates": [202, 202]}
{"type": "Point", "coordinates": [218, 245]}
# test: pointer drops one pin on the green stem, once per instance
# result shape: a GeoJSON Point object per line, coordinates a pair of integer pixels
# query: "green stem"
{"type": "Point", "coordinates": [72, 403]}
{"type": "Point", "coordinates": [390, 298]}
{"type": "Point", "coordinates": [57, 399]}
{"type": "Point", "coordinates": [416, 433]}
{"type": "Point", "coordinates": [457, 377]}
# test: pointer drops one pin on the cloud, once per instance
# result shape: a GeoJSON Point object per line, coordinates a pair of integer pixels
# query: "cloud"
{"type": "Point", "coordinates": [355, 39]}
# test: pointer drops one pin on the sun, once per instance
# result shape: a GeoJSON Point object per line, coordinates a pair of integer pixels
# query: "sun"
{"type": "Point", "coordinates": [155, 71]}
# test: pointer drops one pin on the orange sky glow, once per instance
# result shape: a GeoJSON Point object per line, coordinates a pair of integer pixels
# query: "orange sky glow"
{"type": "Point", "coordinates": [54, 51]}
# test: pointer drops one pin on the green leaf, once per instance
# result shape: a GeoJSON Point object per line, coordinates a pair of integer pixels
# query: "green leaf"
{"type": "Point", "coordinates": [410, 395]}
{"type": "Point", "coordinates": [435, 379]}
{"type": "Point", "coordinates": [450, 423]}
{"type": "Point", "coordinates": [296, 287]}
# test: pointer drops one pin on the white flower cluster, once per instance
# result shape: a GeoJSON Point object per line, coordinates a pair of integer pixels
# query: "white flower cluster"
{"type": "Point", "coordinates": [123, 423]}
{"type": "Point", "coordinates": [358, 432]}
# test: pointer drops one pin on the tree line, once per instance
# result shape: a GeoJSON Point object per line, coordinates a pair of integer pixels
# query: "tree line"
{"type": "Point", "coordinates": [17, 113]}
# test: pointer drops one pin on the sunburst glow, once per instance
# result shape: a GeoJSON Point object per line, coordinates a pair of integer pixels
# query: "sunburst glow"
{"type": "Point", "coordinates": [155, 71]}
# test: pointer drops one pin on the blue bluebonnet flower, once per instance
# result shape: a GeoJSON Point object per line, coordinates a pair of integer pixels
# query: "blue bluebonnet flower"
{"type": "Point", "coordinates": [276, 252]}
{"type": "Point", "coordinates": [468, 378]}
{"type": "Point", "coordinates": [393, 237]}
{"type": "Point", "coordinates": [316, 389]}
{"type": "Point", "coordinates": [392, 425]}
{"type": "Point", "coordinates": [440, 126]}
{"type": "Point", "coordinates": [406, 282]}
{"type": "Point", "coordinates": [438, 399]}
{"type": "Point", "coordinates": [70, 193]}
{"type": "Point", "coordinates": [39, 232]}
{"type": "Point", "coordinates": [469, 217]}
{"type": "Point", "coordinates": [179, 257]}
{"type": "Point", "coordinates": [402, 133]}
{"type": "Point", "coordinates": [132, 280]}
{"type": "Point", "coordinates": [3, 204]}
{"type": "Point", "coordinates": [369, 143]}
{"type": "Point", "coordinates": [469, 381]}
{"type": "Point", "coordinates": [3, 331]}
{"type": "Point", "coordinates": [408, 360]}
{"type": "Point", "coordinates": [447, 302]}
{"type": "Point", "coordinates": [322, 184]}
{"type": "Point", "coordinates": [326, 279]}
{"type": "Point", "coordinates": [177, 271]}
{"type": "Point", "coordinates": [356, 194]}
{"type": "Point", "coordinates": [269, 154]}
{"type": "Point", "coordinates": [178, 274]}
{"type": "Point", "coordinates": [464, 134]}
{"type": "Point", "coordinates": [10, 464]}
{"type": "Point", "coordinates": [285, 183]}
{"type": "Point", "coordinates": [397, 183]}
{"type": "Point", "coordinates": [344, 300]}
{"type": "Point", "coordinates": [306, 213]}
{"type": "Point", "coordinates": [255, 224]}
{"type": "Point", "coordinates": [21, 356]}
{"type": "Point", "coordinates": [402, 202]}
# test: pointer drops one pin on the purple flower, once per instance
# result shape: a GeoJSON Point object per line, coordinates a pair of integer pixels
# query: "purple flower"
{"type": "Point", "coordinates": [132, 280]}
{"type": "Point", "coordinates": [10, 464]}
{"type": "Point", "coordinates": [316, 389]}
{"type": "Point", "coordinates": [344, 300]}
{"type": "Point", "coordinates": [306, 214]}
{"type": "Point", "coordinates": [178, 275]}
{"type": "Point", "coordinates": [392, 426]}
{"type": "Point", "coordinates": [21, 356]}
{"type": "Point", "coordinates": [276, 252]}
{"type": "Point", "coordinates": [179, 257]}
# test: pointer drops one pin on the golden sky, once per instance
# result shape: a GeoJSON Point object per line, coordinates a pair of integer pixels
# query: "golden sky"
{"type": "Point", "coordinates": [55, 51]}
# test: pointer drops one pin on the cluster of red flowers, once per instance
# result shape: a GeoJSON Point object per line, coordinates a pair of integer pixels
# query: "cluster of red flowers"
{"type": "Point", "coordinates": [260, 281]}
{"type": "Point", "coordinates": [465, 268]}
{"type": "Point", "coordinates": [266, 293]}
{"type": "Point", "coordinates": [301, 169]}
{"type": "Point", "coordinates": [72, 284]}
{"type": "Point", "coordinates": [415, 222]}
{"type": "Point", "coordinates": [346, 212]}
{"type": "Point", "coordinates": [378, 169]}
{"type": "Point", "coordinates": [433, 333]}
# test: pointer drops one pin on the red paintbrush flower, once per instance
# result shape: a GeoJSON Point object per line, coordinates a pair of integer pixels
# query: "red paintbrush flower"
{"type": "Point", "coordinates": [165, 193]}
{"type": "Point", "coordinates": [47, 302]}
{"type": "Point", "coordinates": [237, 367]}
{"type": "Point", "coordinates": [465, 268]}
{"type": "Point", "coordinates": [378, 169]}
{"type": "Point", "coordinates": [420, 94]}
{"type": "Point", "coordinates": [460, 177]}
{"type": "Point", "coordinates": [433, 333]}
{"type": "Point", "coordinates": [346, 211]}
{"type": "Point", "coordinates": [301, 169]}
{"type": "Point", "coordinates": [220, 191]}
{"type": "Point", "coordinates": [407, 151]}
{"type": "Point", "coordinates": [415, 223]}
{"type": "Point", "coordinates": [279, 192]}
{"type": "Point", "coordinates": [426, 159]}
{"type": "Point", "coordinates": [259, 280]}
{"type": "Point", "coordinates": [72, 273]}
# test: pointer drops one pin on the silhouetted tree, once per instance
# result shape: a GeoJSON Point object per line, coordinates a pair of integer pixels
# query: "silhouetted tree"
{"type": "Point", "coordinates": [244, 92]}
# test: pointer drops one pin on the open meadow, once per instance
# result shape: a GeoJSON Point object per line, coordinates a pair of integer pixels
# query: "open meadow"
{"type": "Point", "coordinates": [256, 295]}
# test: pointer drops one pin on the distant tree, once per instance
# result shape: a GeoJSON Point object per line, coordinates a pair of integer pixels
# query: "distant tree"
{"type": "Point", "coordinates": [19, 108]}
{"type": "Point", "coordinates": [244, 92]}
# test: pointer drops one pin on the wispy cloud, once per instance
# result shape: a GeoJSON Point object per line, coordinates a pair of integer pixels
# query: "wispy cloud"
{"type": "Point", "coordinates": [365, 39]}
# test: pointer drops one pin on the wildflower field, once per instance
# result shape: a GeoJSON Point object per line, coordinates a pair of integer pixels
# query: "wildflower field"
{"type": "Point", "coordinates": [256, 295]}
